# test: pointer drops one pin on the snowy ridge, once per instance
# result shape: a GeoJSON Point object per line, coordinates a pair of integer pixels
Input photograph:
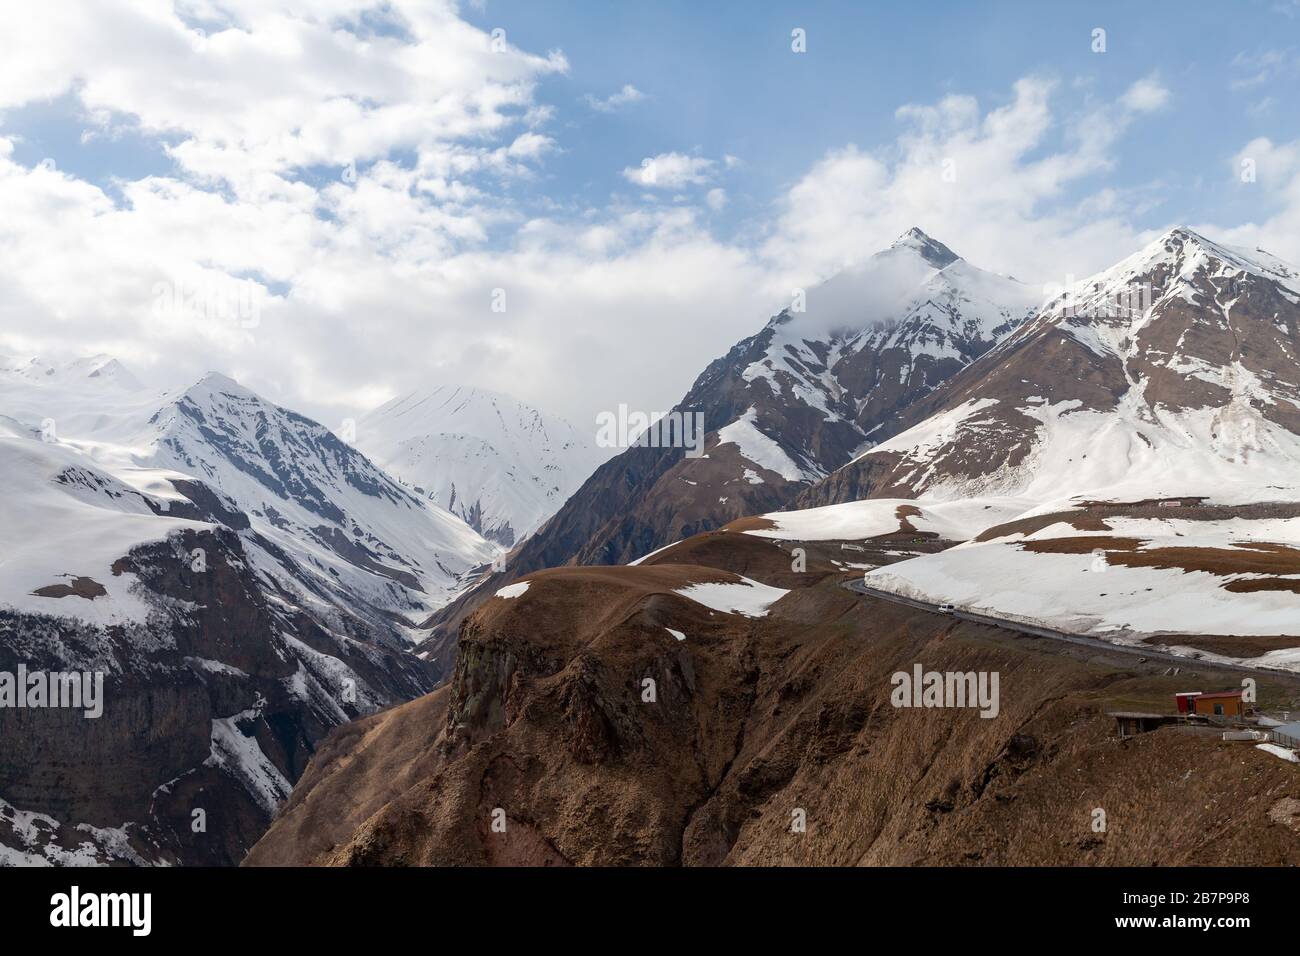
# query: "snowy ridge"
{"type": "Point", "coordinates": [500, 465]}
{"type": "Point", "coordinates": [345, 521]}
{"type": "Point", "coordinates": [207, 540]}
{"type": "Point", "coordinates": [893, 326]}
{"type": "Point", "coordinates": [1168, 381]}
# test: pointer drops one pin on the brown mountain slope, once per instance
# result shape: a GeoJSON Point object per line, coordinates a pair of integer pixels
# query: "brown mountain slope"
{"type": "Point", "coordinates": [544, 726]}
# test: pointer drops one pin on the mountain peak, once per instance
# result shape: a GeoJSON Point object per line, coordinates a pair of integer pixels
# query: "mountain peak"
{"type": "Point", "coordinates": [107, 367]}
{"type": "Point", "coordinates": [500, 464]}
{"type": "Point", "coordinates": [1183, 236]}
{"type": "Point", "coordinates": [103, 368]}
{"type": "Point", "coordinates": [931, 250]}
{"type": "Point", "coordinates": [216, 381]}
{"type": "Point", "coordinates": [1186, 253]}
{"type": "Point", "coordinates": [1256, 260]}
{"type": "Point", "coordinates": [1184, 233]}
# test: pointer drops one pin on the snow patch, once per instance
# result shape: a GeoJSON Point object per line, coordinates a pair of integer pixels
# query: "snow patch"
{"type": "Point", "coordinates": [747, 598]}
{"type": "Point", "coordinates": [760, 449]}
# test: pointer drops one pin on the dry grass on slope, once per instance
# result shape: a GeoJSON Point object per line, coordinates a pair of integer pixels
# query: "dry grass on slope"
{"type": "Point", "coordinates": [544, 721]}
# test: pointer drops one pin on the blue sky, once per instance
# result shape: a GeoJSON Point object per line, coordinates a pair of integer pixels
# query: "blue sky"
{"type": "Point", "coordinates": [720, 78]}
{"type": "Point", "coordinates": [380, 170]}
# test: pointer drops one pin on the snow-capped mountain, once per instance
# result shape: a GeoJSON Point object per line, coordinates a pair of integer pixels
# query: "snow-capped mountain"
{"type": "Point", "coordinates": [1127, 463]}
{"type": "Point", "coordinates": [349, 524]}
{"type": "Point", "coordinates": [500, 465]}
{"type": "Point", "coordinates": [1175, 372]}
{"type": "Point", "coordinates": [100, 369]}
{"type": "Point", "coordinates": [355, 535]}
{"type": "Point", "coordinates": [233, 569]}
{"type": "Point", "coordinates": [788, 405]}
{"type": "Point", "coordinates": [795, 401]}
{"type": "Point", "coordinates": [874, 337]}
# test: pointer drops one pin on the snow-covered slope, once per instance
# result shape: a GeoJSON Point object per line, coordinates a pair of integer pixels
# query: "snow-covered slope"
{"type": "Point", "coordinates": [875, 335]}
{"type": "Point", "coordinates": [1176, 372]}
{"type": "Point", "coordinates": [1170, 381]}
{"type": "Point", "coordinates": [957, 520]}
{"type": "Point", "coordinates": [243, 580]}
{"type": "Point", "coordinates": [64, 521]}
{"type": "Point", "coordinates": [502, 466]}
{"type": "Point", "coordinates": [346, 522]}
{"type": "Point", "coordinates": [1185, 581]}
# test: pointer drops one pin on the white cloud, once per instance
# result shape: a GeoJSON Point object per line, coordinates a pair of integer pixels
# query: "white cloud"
{"type": "Point", "coordinates": [1275, 169]}
{"type": "Point", "coordinates": [262, 89]}
{"type": "Point", "coordinates": [365, 182]}
{"type": "Point", "coordinates": [628, 94]}
{"type": "Point", "coordinates": [1146, 95]}
{"type": "Point", "coordinates": [670, 171]}
{"type": "Point", "coordinates": [991, 184]}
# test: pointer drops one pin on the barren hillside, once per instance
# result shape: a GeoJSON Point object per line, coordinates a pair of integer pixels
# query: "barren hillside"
{"type": "Point", "coordinates": [544, 727]}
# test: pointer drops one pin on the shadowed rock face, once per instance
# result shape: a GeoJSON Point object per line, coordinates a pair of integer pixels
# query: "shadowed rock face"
{"type": "Point", "coordinates": [544, 730]}
{"type": "Point", "coordinates": [227, 649]}
{"type": "Point", "coordinates": [218, 664]}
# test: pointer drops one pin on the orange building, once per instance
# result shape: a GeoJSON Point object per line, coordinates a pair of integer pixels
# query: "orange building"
{"type": "Point", "coordinates": [1225, 703]}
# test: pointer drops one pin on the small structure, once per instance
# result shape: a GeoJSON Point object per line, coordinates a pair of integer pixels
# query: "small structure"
{"type": "Point", "coordinates": [1287, 735]}
{"type": "Point", "coordinates": [1226, 703]}
{"type": "Point", "coordinates": [1131, 723]}
{"type": "Point", "coordinates": [1184, 701]}
{"type": "Point", "coordinates": [1255, 736]}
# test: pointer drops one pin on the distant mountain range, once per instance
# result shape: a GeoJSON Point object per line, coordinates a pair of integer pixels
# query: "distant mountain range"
{"type": "Point", "coordinates": [243, 579]}
{"type": "Point", "coordinates": [823, 380]}
{"type": "Point", "coordinates": [500, 465]}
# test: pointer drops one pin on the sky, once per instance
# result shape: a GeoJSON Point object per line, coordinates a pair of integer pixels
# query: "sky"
{"type": "Point", "coordinates": [583, 203]}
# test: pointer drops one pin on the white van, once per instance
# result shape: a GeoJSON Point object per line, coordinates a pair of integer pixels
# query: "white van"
{"type": "Point", "coordinates": [946, 609]}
